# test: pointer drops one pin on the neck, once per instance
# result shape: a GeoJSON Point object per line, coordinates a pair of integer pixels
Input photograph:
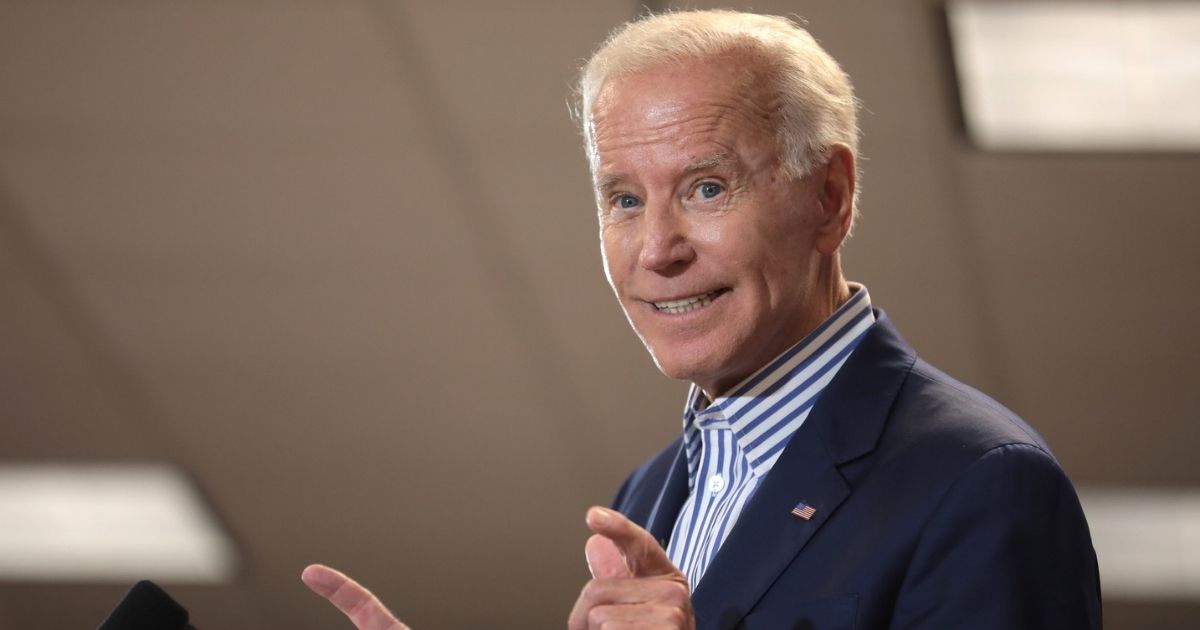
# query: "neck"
{"type": "Point", "coordinates": [834, 290]}
{"type": "Point", "coordinates": [830, 292]}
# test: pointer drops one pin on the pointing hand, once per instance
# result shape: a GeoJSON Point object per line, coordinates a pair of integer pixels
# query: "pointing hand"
{"type": "Point", "coordinates": [634, 584]}
{"type": "Point", "coordinates": [365, 610]}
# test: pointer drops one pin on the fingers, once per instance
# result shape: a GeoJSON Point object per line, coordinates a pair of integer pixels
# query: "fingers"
{"type": "Point", "coordinates": [635, 586]}
{"type": "Point", "coordinates": [634, 591]}
{"type": "Point", "coordinates": [651, 617]}
{"type": "Point", "coordinates": [643, 556]}
{"type": "Point", "coordinates": [630, 600]}
{"type": "Point", "coordinates": [365, 610]}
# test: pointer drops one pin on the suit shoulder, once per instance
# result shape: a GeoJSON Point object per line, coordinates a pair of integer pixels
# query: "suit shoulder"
{"type": "Point", "coordinates": [937, 416]}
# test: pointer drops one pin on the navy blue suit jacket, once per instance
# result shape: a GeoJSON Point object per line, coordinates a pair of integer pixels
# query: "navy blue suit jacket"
{"type": "Point", "coordinates": [936, 508]}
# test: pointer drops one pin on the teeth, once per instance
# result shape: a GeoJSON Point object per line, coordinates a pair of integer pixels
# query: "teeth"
{"type": "Point", "coordinates": [675, 307]}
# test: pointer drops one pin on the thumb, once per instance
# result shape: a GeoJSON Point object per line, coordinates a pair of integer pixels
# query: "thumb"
{"type": "Point", "coordinates": [604, 559]}
{"type": "Point", "coordinates": [642, 554]}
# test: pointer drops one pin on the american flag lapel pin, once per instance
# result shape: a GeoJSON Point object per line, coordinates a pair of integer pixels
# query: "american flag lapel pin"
{"type": "Point", "coordinates": [804, 511]}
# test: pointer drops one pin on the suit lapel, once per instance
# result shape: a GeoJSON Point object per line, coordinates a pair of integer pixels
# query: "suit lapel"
{"type": "Point", "coordinates": [661, 521]}
{"type": "Point", "coordinates": [767, 536]}
{"type": "Point", "coordinates": [845, 424]}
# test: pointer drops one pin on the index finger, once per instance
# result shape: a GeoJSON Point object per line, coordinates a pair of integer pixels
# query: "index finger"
{"type": "Point", "coordinates": [365, 610]}
{"type": "Point", "coordinates": [644, 556]}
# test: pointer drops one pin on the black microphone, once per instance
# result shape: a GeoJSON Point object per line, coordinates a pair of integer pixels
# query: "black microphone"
{"type": "Point", "coordinates": [147, 607]}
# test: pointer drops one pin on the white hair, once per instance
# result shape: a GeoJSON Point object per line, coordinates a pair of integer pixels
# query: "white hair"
{"type": "Point", "coordinates": [818, 105]}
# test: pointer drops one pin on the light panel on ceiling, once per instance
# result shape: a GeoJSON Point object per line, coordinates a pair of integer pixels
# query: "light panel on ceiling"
{"type": "Point", "coordinates": [107, 522]}
{"type": "Point", "coordinates": [1079, 76]}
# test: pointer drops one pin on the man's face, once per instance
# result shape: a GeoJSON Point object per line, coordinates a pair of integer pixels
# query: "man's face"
{"type": "Point", "coordinates": [707, 242]}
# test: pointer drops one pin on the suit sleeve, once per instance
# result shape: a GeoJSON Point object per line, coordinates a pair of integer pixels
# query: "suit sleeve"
{"type": "Point", "coordinates": [1007, 547]}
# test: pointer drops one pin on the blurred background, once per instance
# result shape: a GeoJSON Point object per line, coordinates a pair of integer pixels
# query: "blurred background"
{"type": "Point", "coordinates": [331, 266]}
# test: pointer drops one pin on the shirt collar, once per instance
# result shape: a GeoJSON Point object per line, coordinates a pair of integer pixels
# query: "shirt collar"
{"type": "Point", "coordinates": [769, 405]}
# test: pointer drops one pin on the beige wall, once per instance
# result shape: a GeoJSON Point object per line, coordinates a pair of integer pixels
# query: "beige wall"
{"type": "Point", "coordinates": [337, 260]}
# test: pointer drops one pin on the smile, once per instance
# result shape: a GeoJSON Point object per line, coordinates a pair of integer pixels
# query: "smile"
{"type": "Point", "coordinates": [688, 304]}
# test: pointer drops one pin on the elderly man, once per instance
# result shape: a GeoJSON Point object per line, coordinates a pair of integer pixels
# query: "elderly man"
{"type": "Point", "coordinates": [826, 476]}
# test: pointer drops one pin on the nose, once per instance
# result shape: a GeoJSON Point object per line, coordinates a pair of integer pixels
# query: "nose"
{"type": "Point", "coordinates": [665, 243]}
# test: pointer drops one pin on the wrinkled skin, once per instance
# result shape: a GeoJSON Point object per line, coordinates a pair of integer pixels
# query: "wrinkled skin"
{"type": "Point", "coordinates": [694, 202]}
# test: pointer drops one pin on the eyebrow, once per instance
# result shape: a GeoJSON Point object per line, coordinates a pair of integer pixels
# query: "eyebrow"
{"type": "Point", "coordinates": [606, 182]}
{"type": "Point", "coordinates": [712, 161]}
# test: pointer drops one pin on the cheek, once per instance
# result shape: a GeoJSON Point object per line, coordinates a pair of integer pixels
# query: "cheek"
{"type": "Point", "coordinates": [721, 243]}
{"type": "Point", "coordinates": [611, 255]}
{"type": "Point", "coordinates": [607, 267]}
{"type": "Point", "coordinates": [742, 247]}
{"type": "Point", "coordinates": [788, 236]}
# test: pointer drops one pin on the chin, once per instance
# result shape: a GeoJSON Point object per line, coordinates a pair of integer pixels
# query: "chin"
{"type": "Point", "coordinates": [685, 366]}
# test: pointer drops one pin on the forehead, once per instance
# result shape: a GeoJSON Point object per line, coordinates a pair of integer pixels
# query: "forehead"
{"type": "Point", "coordinates": [684, 110]}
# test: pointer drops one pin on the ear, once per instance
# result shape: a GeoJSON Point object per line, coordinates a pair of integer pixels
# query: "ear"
{"type": "Point", "coordinates": [836, 196]}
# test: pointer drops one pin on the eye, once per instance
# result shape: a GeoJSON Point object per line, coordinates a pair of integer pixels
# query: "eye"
{"type": "Point", "coordinates": [708, 190]}
{"type": "Point", "coordinates": [625, 201]}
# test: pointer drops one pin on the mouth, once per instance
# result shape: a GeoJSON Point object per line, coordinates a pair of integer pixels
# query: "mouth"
{"type": "Point", "coordinates": [688, 304]}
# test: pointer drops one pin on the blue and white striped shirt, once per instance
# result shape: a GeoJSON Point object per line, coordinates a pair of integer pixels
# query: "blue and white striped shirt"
{"type": "Point", "coordinates": [732, 443]}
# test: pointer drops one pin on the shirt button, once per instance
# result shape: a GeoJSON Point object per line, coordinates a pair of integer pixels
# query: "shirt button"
{"type": "Point", "coordinates": [716, 484]}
